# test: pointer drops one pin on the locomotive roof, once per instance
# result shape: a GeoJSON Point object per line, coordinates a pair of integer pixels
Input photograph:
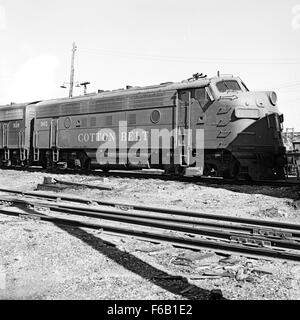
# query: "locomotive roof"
{"type": "Point", "coordinates": [13, 106]}
{"type": "Point", "coordinates": [169, 86]}
{"type": "Point", "coordinates": [12, 112]}
{"type": "Point", "coordinates": [135, 90]}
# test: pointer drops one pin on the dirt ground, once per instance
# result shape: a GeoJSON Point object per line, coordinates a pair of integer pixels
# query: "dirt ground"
{"type": "Point", "coordinates": [39, 260]}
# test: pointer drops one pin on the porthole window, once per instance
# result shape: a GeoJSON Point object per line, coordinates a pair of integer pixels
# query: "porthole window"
{"type": "Point", "coordinates": [155, 116]}
{"type": "Point", "coordinates": [67, 123]}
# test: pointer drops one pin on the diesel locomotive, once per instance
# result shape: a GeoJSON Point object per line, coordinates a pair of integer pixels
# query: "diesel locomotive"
{"type": "Point", "coordinates": [242, 129]}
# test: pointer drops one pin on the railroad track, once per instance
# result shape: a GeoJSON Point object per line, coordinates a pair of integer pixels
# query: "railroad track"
{"type": "Point", "coordinates": [159, 175]}
{"type": "Point", "coordinates": [195, 230]}
{"type": "Point", "coordinates": [202, 179]}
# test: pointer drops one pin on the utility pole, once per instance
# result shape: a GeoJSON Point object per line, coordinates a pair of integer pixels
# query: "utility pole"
{"type": "Point", "coordinates": [71, 83]}
{"type": "Point", "coordinates": [72, 70]}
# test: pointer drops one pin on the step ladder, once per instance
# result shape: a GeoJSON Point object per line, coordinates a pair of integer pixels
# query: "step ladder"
{"type": "Point", "coordinates": [36, 151]}
{"type": "Point", "coordinates": [184, 146]}
{"type": "Point", "coordinates": [23, 155]}
{"type": "Point", "coordinates": [36, 155]}
{"type": "Point", "coordinates": [21, 146]}
{"type": "Point", "coordinates": [55, 155]}
{"type": "Point", "coordinates": [6, 154]}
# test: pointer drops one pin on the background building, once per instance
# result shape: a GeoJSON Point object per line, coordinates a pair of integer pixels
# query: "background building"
{"type": "Point", "coordinates": [291, 140]}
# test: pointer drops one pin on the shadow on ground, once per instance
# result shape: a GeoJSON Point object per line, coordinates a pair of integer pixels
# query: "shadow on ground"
{"type": "Point", "coordinates": [176, 285]}
{"type": "Point", "coordinates": [141, 268]}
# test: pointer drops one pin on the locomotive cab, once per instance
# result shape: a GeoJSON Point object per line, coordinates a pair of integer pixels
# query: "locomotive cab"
{"type": "Point", "coordinates": [248, 131]}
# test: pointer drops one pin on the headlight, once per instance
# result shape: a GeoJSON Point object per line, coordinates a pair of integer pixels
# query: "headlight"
{"type": "Point", "coordinates": [273, 98]}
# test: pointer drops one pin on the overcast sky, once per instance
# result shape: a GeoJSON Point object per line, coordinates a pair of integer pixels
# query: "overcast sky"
{"type": "Point", "coordinates": [143, 42]}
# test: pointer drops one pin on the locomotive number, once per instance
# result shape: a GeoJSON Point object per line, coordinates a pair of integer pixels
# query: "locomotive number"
{"type": "Point", "coordinates": [44, 124]}
{"type": "Point", "coordinates": [16, 125]}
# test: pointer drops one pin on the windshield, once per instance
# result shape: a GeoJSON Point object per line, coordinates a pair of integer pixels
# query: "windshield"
{"type": "Point", "coordinates": [227, 85]}
{"type": "Point", "coordinates": [246, 88]}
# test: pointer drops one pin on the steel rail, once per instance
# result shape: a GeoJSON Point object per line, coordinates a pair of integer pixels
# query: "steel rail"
{"type": "Point", "coordinates": [167, 218]}
{"type": "Point", "coordinates": [198, 179]}
{"type": "Point", "coordinates": [175, 212]}
{"type": "Point", "coordinates": [123, 213]}
{"type": "Point", "coordinates": [233, 226]}
{"type": "Point", "coordinates": [174, 239]}
{"type": "Point", "coordinates": [168, 177]}
{"type": "Point", "coordinates": [202, 179]}
{"type": "Point", "coordinates": [190, 227]}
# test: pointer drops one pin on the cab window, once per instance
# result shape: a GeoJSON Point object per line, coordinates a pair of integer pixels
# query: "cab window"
{"type": "Point", "coordinates": [184, 98]}
{"type": "Point", "coordinates": [228, 85]}
{"type": "Point", "coordinates": [201, 95]}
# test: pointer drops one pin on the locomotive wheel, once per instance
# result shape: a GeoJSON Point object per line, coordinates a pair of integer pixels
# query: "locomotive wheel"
{"type": "Point", "coordinates": [207, 170]}
{"type": "Point", "coordinates": [179, 170]}
{"type": "Point", "coordinates": [232, 172]}
{"type": "Point", "coordinates": [210, 170]}
{"type": "Point", "coordinates": [54, 167]}
{"type": "Point", "coordinates": [25, 164]}
{"type": "Point", "coordinates": [169, 169]}
{"type": "Point", "coordinates": [1, 160]}
{"type": "Point", "coordinates": [280, 174]}
{"type": "Point", "coordinates": [86, 168]}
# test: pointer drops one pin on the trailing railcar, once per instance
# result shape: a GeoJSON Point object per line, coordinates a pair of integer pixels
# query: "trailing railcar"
{"type": "Point", "coordinates": [15, 134]}
{"type": "Point", "coordinates": [12, 135]}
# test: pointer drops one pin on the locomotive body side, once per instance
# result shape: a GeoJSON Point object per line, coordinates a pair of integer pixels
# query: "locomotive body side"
{"type": "Point", "coordinates": [76, 128]}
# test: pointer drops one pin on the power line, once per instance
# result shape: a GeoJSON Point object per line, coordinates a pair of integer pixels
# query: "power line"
{"type": "Point", "coordinates": [288, 84]}
{"type": "Point", "coordinates": [288, 89]}
{"type": "Point", "coordinates": [134, 55]}
{"type": "Point", "coordinates": [292, 100]}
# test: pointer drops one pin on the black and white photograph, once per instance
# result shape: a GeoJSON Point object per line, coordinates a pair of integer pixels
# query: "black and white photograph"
{"type": "Point", "coordinates": [149, 152]}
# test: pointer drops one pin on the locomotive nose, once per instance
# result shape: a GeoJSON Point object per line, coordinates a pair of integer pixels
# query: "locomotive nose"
{"type": "Point", "coordinates": [267, 98]}
{"type": "Point", "coordinates": [263, 101]}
